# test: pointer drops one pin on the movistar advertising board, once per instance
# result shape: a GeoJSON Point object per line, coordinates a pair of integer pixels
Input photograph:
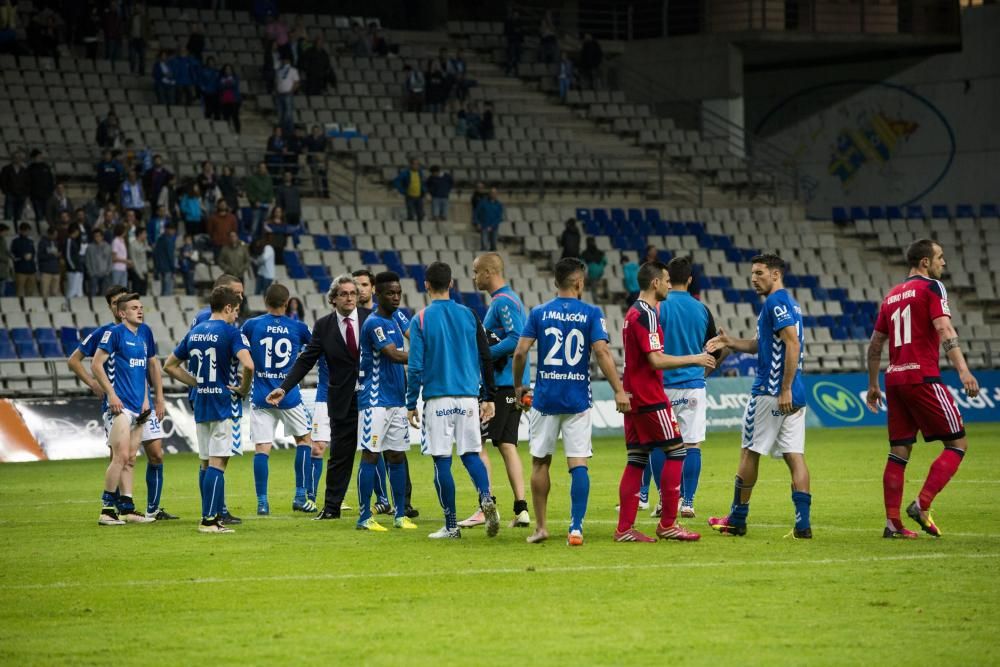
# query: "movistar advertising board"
{"type": "Point", "coordinates": [839, 400]}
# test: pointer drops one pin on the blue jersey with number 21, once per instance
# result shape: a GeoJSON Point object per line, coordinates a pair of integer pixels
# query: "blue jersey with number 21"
{"type": "Point", "coordinates": [212, 347]}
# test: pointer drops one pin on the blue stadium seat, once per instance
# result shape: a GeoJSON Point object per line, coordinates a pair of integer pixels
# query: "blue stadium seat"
{"type": "Point", "coordinates": [341, 242]}
{"type": "Point", "coordinates": [809, 321]}
{"type": "Point", "coordinates": [734, 255]}
{"type": "Point", "coordinates": [7, 350]}
{"type": "Point", "coordinates": [291, 258]}
{"type": "Point", "coordinates": [26, 350]}
{"type": "Point", "coordinates": [592, 227]}
{"type": "Point", "coordinates": [660, 228]}
{"type": "Point", "coordinates": [859, 213]}
{"type": "Point", "coordinates": [653, 215]}
{"type": "Point", "coordinates": [369, 257]}
{"type": "Point", "coordinates": [636, 218]}
{"type": "Point", "coordinates": [694, 228]}
{"type": "Point", "coordinates": [988, 211]}
{"type": "Point", "coordinates": [601, 216]}
{"type": "Point", "coordinates": [875, 213]}
{"type": "Point", "coordinates": [296, 271]}
{"type": "Point", "coordinates": [663, 255]}
{"type": "Point", "coordinates": [608, 228]}
{"type": "Point", "coordinates": [317, 271]}
{"type": "Point", "coordinates": [46, 334]}
{"type": "Point", "coordinates": [416, 271]}
{"type": "Point", "coordinates": [964, 211]}
{"type": "Point", "coordinates": [677, 229]}
{"type": "Point", "coordinates": [791, 280]}
{"type": "Point", "coordinates": [915, 212]}
{"type": "Point", "coordinates": [86, 331]}
{"type": "Point", "coordinates": [21, 335]}
{"type": "Point", "coordinates": [840, 214]}
{"type": "Point", "coordinates": [731, 295]}
{"type": "Point", "coordinates": [819, 293]}
{"type": "Point", "coordinates": [69, 337]}
{"type": "Point", "coordinates": [391, 259]}
{"type": "Point", "coordinates": [893, 213]}
{"type": "Point", "coordinates": [809, 281]}
{"type": "Point", "coordinates": [837, 293]}
{"type": "Point", "coordinates": [583, 215]}
{"type": "Point", "coordinates": [839, 333]}
{"type": "Point", "coordinates": [618, 216]}
{"type": "Point", "coordinates": [51, 349]}
{"type": "Point", "coordinates": [322, 242]}
{"type": "Point", "coordinates": [472, 299]}
{"type": "Point", "coordinates": [859, 332]}
{"type": "Point", "coordinates": [940, 211]}
{"type": "Point", "coordinates": [323, 284]}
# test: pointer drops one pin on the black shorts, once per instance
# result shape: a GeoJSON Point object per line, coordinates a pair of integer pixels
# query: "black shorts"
{"type": "Point", "coordinates": [503, 427]}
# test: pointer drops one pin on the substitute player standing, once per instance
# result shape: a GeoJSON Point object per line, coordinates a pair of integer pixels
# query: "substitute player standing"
{"type": "Point", "coordinates": [217, 349]}
{"type": "Point", "coordinates": [275, 342]}
{"type": "Point", "coordinates": [774, 421]}
{"type": "Point", "coordinates": [568, 329]}
{"type": "Point", "coordinates": [450, 365]}
{"type": "Point", "coordinates": [915, 319]}
{"type": "Point", "coordinates": [650, 423]}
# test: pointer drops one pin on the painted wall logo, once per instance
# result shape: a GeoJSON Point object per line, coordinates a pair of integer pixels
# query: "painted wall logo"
{"type": "Point", "coordinates": [838, 402]}
{"type": "Point", "coordinates": [874, 141]}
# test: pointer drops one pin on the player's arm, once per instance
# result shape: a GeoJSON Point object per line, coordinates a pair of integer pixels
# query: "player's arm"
{"type": "Point", "coordinates": [790, 337]}
{"type": "Point", "coordinates": [874, 357]}
{"type": "Point", "coordinates": [247, 362]}
{"type": "Point", "coordinates": [710, 332]}
{"type": "Point", "coordinates": [395, 354]}
{"type": "Point", "coordinates": [949, 343]}
{"type": "Point", "coordinates": [307, 358]}
{"type": "Point", "coordinates": [524, 344]}
{"type": "Point", "coordinates": [724, 340]}
{"type": "Point", "coordinates": [511, 333]}
{"type": "Point", "coordinates": [97, 368]}
{"type": "Point", "coordinates": [606, 362]}
{"type": "Point", "coordinates": [414, 372]}
{"type": "Point", "coordinates": [76, 365]}
{"type": "Point", "coordinates": [174, 369]}
{"type": "Point", "coordinates": [663, 362]}
{"type": "Point", "coordinates": [486, 406]}
{"type": "Point", "coordinates": [155, 373]}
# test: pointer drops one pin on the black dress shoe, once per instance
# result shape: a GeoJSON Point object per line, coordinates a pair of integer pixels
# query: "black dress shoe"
{"type": "Point", "coordinates": [325, 515]}
{"type": "Point", "coordinates": [411, 512]}
{"type": "Point", "coordinates": [228, 519]}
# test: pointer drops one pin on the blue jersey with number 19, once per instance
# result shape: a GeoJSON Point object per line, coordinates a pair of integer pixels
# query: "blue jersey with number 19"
{"type": "Point", "coordinates": [275, 342]}
{"type": "Point", "coordinates": [212, 347]}
{"type": "Point", "coordinates": [565, 329]}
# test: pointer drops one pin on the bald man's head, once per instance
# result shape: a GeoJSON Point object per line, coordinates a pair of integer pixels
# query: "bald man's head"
{"type": "Point", "coordinates": [487, 271]}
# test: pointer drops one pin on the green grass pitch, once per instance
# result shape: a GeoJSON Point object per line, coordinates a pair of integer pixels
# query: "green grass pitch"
{"type": "Point", "coordinates": [287, 590]}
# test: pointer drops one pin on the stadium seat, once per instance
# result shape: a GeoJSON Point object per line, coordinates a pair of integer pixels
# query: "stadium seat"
{"type": "Point", "coordinates": [21, 335]}
{"type": "Point", "coordinates": [323, 242]}
{"type": "Point", "coordinates": [840, 214]}
{"type": "Point", "coordinates": [875, 213]}
{"type": "Point", "coordinates": [51, 349]}
{"type": "Point", "coordinates": [964, 211]}
{"type": "Point", "coordinates": [988, 211]}
{"type": "Point", "coordinates": [893, 213]}
{"type": "Point", "coordinates": [26, 349]}
{"type": "Point", "coordinates": [940, 211]}
{"type": "Point", "coordinates": [859, 213]}
{"type": "Point", "coordinates": [915, 212]}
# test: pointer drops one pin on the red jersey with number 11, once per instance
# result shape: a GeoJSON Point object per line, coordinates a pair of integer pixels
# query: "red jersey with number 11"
{"type": "Point", "coordinates": [907, 317]}
{"type": "Point", "coordinates": [640, 336]}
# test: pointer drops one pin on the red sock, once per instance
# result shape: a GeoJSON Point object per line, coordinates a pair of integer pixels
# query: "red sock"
{"type": "Point", "coordinates": [670, 490]}
{"type": "Point", "coordinates": [892, 488]}
{"type": "Point", "coordinates": [628, 497]}
{"type": "Point", "coordinates": [942, 470]}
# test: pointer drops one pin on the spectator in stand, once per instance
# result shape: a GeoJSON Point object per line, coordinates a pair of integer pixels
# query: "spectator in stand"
{"type": "Point", "coordinates": [43, 35]}
{"type": "Point", "coordinates": [459, 71]}
{"type": "Point", "coordinates": [473, 121]}
{"type": "Point", "coordinates": [548, 46]}
{"type": "Point", "coordinates": [132, 198]}
{"type": "Point", "coordinates": [286, 84]}
{"type": "Point", "coordinates": [379, 44]}
{"type": "Point", "coordinates": [565, 78]}
{"type": "Point", "coordinates": [109, 131]}
{"type": "Point", "coordinates": [185, 69]}
{"type": "Point", "coordinates": [139, 34]}
{"type": "Point", "coordinates": [140, 159]}
{"type": "Point", "coordinates": [192, 211]}
{"type": "Point", "coordinates": [220, 225]}
{"type": "Point", "coordinates": [293, 144]}
{"type": "Point", "coordinates": [489, 215]}
{"type": "Point", "coordinates": [186, 262]}
{"type": "Point", "coordinates": [112, 25]}
{"type": "Point", "coordinates": [414, 87]}
{"type": "Point", "coordinates": [119, 255]}
{"type": "Point", "coordinates": [158, 222]}
{"type": "Point", "coordinates": [164, 79]}
{"type": "Point", "coordinates": [461, 127]}
{"type": "Point", "coordinates": [361, 45]}
{"type": "Point", "coordinates": [164, 259]}
{"type": "Point", "coordinates": [449, 79]}
{"type": "Point", "coordinates": [228, 188]}
{"type": "Point", "coordinates": [277, 230]}
{"type": "Point", "coordinates": [316, 67]}
{"type": "Point", "coordinates": [630, 279]}
{"type": "Point", "coordinates": [90, 32]}
{"type": "Point", "coordinates": [208, 85]}
{"type": "Point", "coordinates": [591, 57]}
{"type": "Point", "coordinates": [276, 153]}
{"type": "Point", "coordinates": [486, 128]}
{"type": "Point", "coordinates": [651, 254]}
{"type": "Point", "coordinates": [295, 310]}
{"type": "Point", "coordinates": [154, 179]}
{"type": "Point", "coordinates": [260, 193]}
{"type": "Point", "coordinates": [41, 185]}
{"type": "Point", "coordinates": [596, 261]}
{"type": "Point", "coordinates": [234, 258]}
{"type": "Point", "coordinates": [479, 194]}
{"type": "Point", "coordinates": [73, 250]}
{"type": "Point", "coordinates": [97, 260]}
{"type": "Point", "coordinates": [439, 186]}
{"type": "Point", "coordinates": [514, 37]}
{"type": "Point", "coordinates": [58, 203]}
{"type": "Point", "coordinates": [110, 174]}
{"type": "Point", "coordinates": [6, 259]}
{"type": "Point", "coordinates": [22, 249]}
{"type": "Point", "coordinates": [170, 199]}
{"type": "Point", "coordinates": [208, 183]}
{"type": "Point", "coordinates": [437, 87]}
{"type": "Point", "coordinates": [276, 33]}
{"type": "Point", "coordinates": [196, 42]}
{"type": "Point", "coordinates": [16, 186]}
{"type": "Point", "coordinates": [229, 97]}
{"type": "Point", "coordinates": [8, 28]}
{"type": "Point", "coordinates": [287, 197]}
{"type": "Point", "coordinates": [48, 263]}
{"type": "Point", "coordinates": [410, 183]}
{"type": "Point", "coordinates": [262, 258]}
{"type": "Point", "coordinates": [569, 240]}
{"type": "Point", "coordinates": [316, 145]}
{"type": "Point", "coordinates": [138, 250]}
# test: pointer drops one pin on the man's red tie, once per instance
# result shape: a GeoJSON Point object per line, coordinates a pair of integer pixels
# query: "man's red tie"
{"type": "Point", "coordinates": [352, 341]}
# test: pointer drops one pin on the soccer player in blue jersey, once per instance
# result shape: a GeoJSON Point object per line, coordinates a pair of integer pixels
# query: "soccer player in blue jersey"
{"type": "Point", "coordinates": [275, 342]}
{"type": "Point", "coordinates": [218, 349]}
{"type": "Point", "coordinates": [450, 365]}
{"type": "Point", "coordinates": [382, 424]}
{"type": "Point", "coordinates": [567, 329]}
{"type": "Point", "coordinates": [125, 383]}
{"type": "Point", "coordinates": [320, 430]}
{"type": "Point", "coordinates": [504, 320]}
{"type": "Point", "coordinates": [774, 422]}
{"type": "Point", "coordinates": [152, 429]}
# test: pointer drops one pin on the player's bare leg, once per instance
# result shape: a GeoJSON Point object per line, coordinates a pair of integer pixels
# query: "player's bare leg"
{"type": "Point", "coordinates": [515, 475]}
{"type": "Point", "coordinates": [942, 470]}
{"type": "Point", "coordinates": [118, 442]}
{"type": "Point", "coordinates": [540, 485]}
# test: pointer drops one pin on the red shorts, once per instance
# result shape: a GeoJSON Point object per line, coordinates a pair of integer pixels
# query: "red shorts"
{"type": "Point", "coordinates": [651, 426]}
{"type": "Point", "coordinates": [926, 407]}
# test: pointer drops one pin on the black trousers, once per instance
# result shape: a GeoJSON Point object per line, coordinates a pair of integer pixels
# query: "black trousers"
{"type": "Point", "coordinates": [340, 464]}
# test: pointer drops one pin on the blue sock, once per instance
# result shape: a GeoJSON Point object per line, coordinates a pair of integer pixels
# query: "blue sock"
{"type": "Point", "coordinates": [366, 486]}
{"type": "Point", "coordinates": [302, 469]}
{"type": "Point", "coordinates": [690, 475]}
{"type": "Point", "coordinates": [579, 492]}
{"type": "Point", "coordinates": [657, 457]}
{"type": "Point", "coordinates": [213, 491]}
{"type": "Point", "coordinates": [260, 470]}
{"type": "Point", "coordinates": [477, 471]}
{"type": "Point", "coordinates": [154, 486]}
{"type": "Point", "coordinates": [109, 499]}
{"type": "Point", "coordinates": [317, 472]}
{"type": "Point", "coordinates": [445, 485]}
{"type": "Point", "coordinates": [381, 481]}
{"type": "Point", "coordinates": [201, 486]}
{"type": "Point", "coordinates": [647, 473]}
{"type": "Point", "coordinates": [397, 483]}
{"type": "Point", "coordinates": [126, 503]}
{"type": "Point", "coordinates": [739, 511]}
{"type": "Point", "coordinates": [802, 501]}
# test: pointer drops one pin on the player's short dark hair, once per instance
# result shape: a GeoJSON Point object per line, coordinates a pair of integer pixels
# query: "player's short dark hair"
{"type": "Point", "coordinates": [679, 269]}
{"type": "Point", "coordinates": [918, 250]}
{"type": "Point", "coordinates": [771, 260]}
{"type": "Point", "coordinates": [364, 272]}
{"type": "Point", "coordinates": [649, 272]}
{"type": "Point", "coordinates": [225, 280]}
{"type": "Point", "coordinates": [566, 268]}
{"type": "Point", "coordinates": [125, 298]}
{"type": "Point", "coordinates": [111, 294]}
{"type": "Point", "coordinates": [438, 276]}
{"type": "Point", "coordinates": [276, 296]}
{"type": "Point", "coordinates": [222, 297]}
{"type": "Point", "coordinates": [386, 277]}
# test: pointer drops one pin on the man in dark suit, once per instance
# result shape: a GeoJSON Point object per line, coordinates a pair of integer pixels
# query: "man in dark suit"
{"type": "Point", "coordinates": [335, 336]}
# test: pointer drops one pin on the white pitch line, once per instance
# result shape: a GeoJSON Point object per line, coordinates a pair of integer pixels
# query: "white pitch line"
{"type": "Point", "coordinates": [820, 528]}
{"type": "Point", "coordinates": [490, 571]}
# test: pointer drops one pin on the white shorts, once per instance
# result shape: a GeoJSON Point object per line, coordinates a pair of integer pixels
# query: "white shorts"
{"type": "Point", "coordinates": [109, 420]}
{"type": "Point", "coordinates": [263, 422]}
{"type": "Point", "coordinates": [690, 408]}
{"type": "Point", "coordinates": [320, 423]}
{"type": "Point", "coordinates": [768, 432]}
{"type": "Point", "coordinates": [383, 429]}
{"type": "Point", "coordinates": [447, 420]}
{"type": "Point", "coordinates": [218, 438]}
{"type": "Point", "coordinates": [544, 431]}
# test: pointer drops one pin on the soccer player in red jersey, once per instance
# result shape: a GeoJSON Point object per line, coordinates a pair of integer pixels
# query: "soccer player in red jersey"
{"type": "Point", "coordinates": [915, 319]}
{"type": "Point", "coordinates": [650, 422]}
